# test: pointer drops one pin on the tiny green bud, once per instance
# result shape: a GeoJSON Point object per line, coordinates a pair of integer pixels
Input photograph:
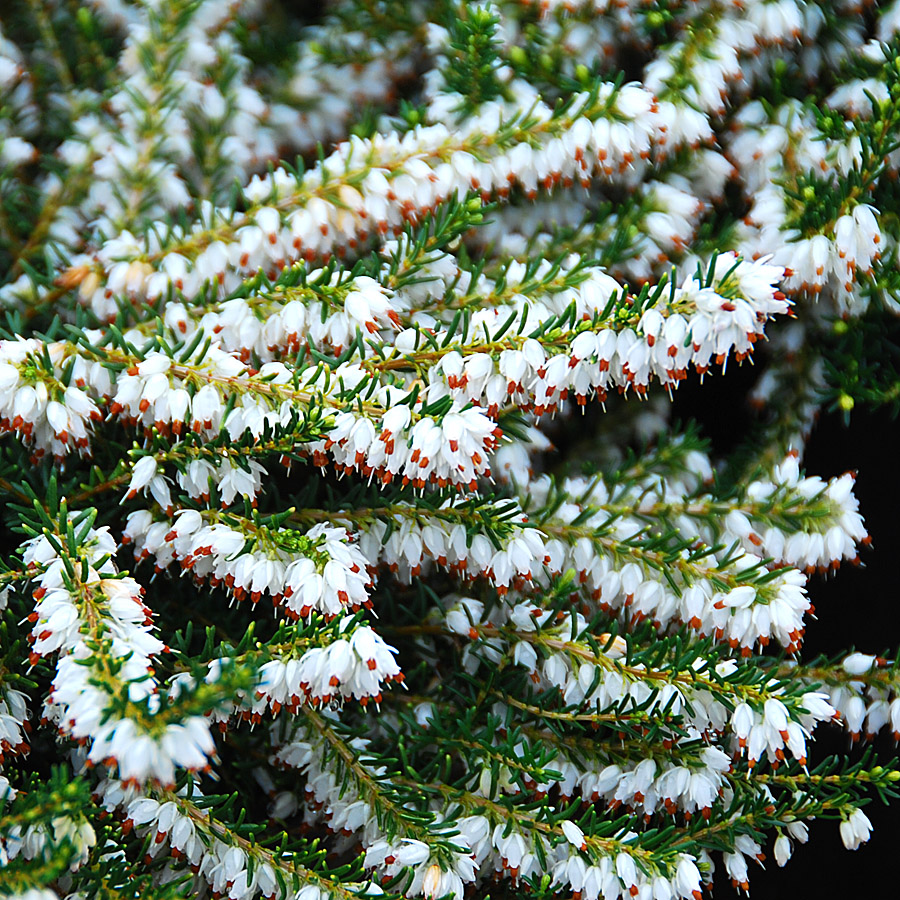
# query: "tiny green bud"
{"type": "Point", "coordinates": [85, 21]}
{"type": "Point", "coordinates": [893, 775]}
{"type": "Point", "coordinates": [517, 56]}
{"type": "Point", "coordinates": [840, 327]}
{"type": "Point", "coordinates": [809, 192]}
{"type": "Point", "coordinates": [876, 771]}
{"type": "Point", "coordinates": [546, 61]}
{"type": "Point", "coordinates": [582, 73]}
{"type": "Point", "coordinates": [846, 402]}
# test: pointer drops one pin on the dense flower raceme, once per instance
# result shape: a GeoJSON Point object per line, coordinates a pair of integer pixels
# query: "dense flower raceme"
{"type": "Point", "coordinates": [298, 312]}
{"type": "Point", "coordinates": [500, 369]}
{"type": "Point", "coordinates": [229, 865]}
{"type": "Point", "coordinates": [315, 571]}
{"type": "Point", "coordinates": [829, 260]}
{"type": "Point", "coordinates": [477, 842]}
{"type": "Point", "coordinates": [586, 677]}
{"type": "Point", "coordinates": [119, 145]}
{"type": "Point", "coordinates": [569, 148]}
{"type": "Point", "coordinates": [743, 608]}
{"type": "Point", "coordinates": [397, 538]}
{"type": "Point", "coordinates": [101, 630]}
{"type": "Point", "coordinates": [31, 843]}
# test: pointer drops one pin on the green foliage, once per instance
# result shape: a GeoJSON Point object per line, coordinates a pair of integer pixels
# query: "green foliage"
{"type": "Point", "coordinates": [296, 599]}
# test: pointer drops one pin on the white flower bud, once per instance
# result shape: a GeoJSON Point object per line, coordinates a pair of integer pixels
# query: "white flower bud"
{"type": "Point", "coordinates": [858, 663]}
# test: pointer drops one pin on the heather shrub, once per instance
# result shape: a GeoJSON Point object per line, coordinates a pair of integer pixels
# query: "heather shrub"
{"type": "Point", "coordinates": [351, 546]}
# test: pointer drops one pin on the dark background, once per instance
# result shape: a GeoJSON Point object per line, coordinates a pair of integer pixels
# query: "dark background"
{"type": "Point", "coordinates": [856, 607]}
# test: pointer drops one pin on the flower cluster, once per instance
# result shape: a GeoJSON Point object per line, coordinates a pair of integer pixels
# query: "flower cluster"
{"type": "Point", "coordinates": [314, 571]}
{"type": "Point", "coordinates": [345, 668]}
{"type": "Point", "coordinates": [97, 623]}
{"type": "Point", "coordinates": [183, 833]}
{"type": "Point", "coordinates": [37, 407]}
